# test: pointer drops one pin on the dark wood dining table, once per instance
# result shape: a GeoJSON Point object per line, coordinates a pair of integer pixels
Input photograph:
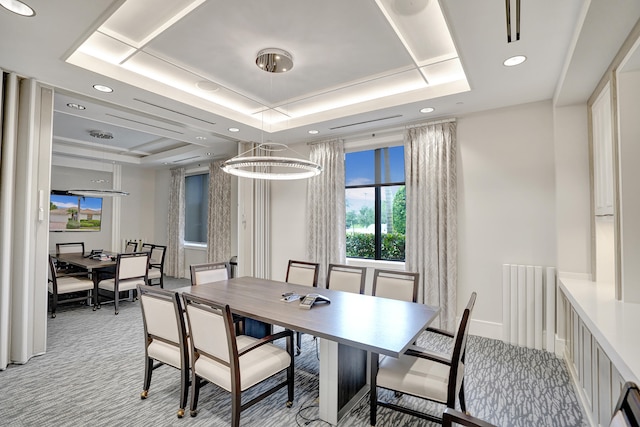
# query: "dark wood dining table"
{"type": "Point", "coordinates": [93, 266]}
{"type": "Point", "coordinates": [349, 327]}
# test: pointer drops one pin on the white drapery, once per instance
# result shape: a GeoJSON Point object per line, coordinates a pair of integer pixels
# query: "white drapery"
{"type": "Point", "coordinates": [174, 262]}
{"type": "Point", "coordinates": [325, 207]}
{"type": "Point", "coordinates": [26, 111]}
{"type": "Point", "coordinates": [431, 234]}
{"type": "Point", "coordinates": [219, 218]}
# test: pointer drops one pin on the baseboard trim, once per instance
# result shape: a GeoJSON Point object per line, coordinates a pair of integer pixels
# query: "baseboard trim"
{"type": "Point", "coordinates": [486, 329]}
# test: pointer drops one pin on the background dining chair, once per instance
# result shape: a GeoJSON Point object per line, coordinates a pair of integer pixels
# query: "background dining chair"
{"type": "Point", "coordinates": [131, 246]}
{"type": "Point", "coordinates": [395, 284]}
{"type": "Point", "coordinates": [69, 248]}
{"type": "Point", "coordinates": [452, 417]}
{"type": "Point", "coordinates": [424, 374]}
{"type": "Point", "coordinates": [347, 278]}
{"type": "Point", "coordinates": [627, 410]}
{"type": "Point", "coordinates": [302, 273]}
{"type": "Point", "coordinates": [209, 272]}
{"type": "Point", "coordinates": [306, 274]}
{"type": "Point", "coordinates": [61, 283]}
{"type": "Point", "coordinates": [240, 364]}
{"type": "Point", "coordinates": [156, 263]}
{"type": "Point", "coordinates": [131, 271]}
{"type": "Point", "coordinates": [165, 337]}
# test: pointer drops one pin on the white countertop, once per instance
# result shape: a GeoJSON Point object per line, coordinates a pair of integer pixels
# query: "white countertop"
{"type": "Point", "coordinates": [614, 324]}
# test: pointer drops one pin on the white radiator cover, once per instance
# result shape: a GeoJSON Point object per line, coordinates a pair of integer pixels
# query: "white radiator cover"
{"type": "Point", "coordinates": [529, 306]}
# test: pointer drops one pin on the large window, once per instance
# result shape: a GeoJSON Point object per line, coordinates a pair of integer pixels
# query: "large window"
{"type": "Point", "coordinates": [375, 204]}
{"type": "Point", "coordinates": [196, 206]}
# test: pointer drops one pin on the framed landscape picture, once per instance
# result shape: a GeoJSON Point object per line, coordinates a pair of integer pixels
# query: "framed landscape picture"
{"type": "Point", "coordinates": [69, 212]}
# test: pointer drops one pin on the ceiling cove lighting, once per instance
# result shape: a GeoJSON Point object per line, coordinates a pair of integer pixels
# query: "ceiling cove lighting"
{"type": "Point", "coordinates": [16, 6]}
{"type": "Point", "coordinates": [514, 60]}
{"type": "Point", "coordinates": [103, 88]}
{"type": "Point", "coordinates": [258, 163]}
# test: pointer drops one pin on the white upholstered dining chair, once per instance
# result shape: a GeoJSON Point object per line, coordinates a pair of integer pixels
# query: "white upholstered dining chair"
{"type": "Point", "coordinates": [395, 284]}
{"type": "Point", "coordinates": [131, 271]}
{"type": "Point", "coordinates": [234, 363]}
{"type": "Point", "coordinates": [165, 338]}
{"type": "Point", "coordinates": [209, 272]}
{"type": "Point", "coordinates": [61, 283]}
{"type": "Point", "coordinates": [347, 278]}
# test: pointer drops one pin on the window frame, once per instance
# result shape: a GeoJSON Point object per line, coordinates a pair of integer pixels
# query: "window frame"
{"type": "Point", "coordinates": [390, 141]}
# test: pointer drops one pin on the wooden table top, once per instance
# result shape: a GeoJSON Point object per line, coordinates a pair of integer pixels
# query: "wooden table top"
{"type": "Point", "coordinates": [79, 260]}
{"type": "Point", "coordinates": [375, 324]}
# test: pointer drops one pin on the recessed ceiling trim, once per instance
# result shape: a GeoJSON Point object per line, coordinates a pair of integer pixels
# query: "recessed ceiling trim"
{"type": "Point", "coordinates": [367, 121]}
{"type": "Point", "coordinates": [143, 123]}
{"type": "Point", "coordinates": [173, 111]}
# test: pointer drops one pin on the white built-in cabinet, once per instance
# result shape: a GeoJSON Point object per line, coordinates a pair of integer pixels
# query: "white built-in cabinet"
{"type": "Point", "coordinates": [602, 141]}
{"type": "Point", "coordinates": [598, 379]}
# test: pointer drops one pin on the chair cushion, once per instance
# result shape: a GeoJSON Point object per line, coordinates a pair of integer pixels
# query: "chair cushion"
{"type": "Point", "coordinates": [165, 353]}
{"type": "Point", "coordinates": [255, 366]}
{"type": "Point", "coordinates": [154, 273]}
{"type": "Point", "coordinates": [416, 376]}
{"type": "Point", "coordinates": [124, 285]}
{"type": "Point", "coordinates": [71, 284]}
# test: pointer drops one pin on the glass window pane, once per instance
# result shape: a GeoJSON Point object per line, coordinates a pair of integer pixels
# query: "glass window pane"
{"type": "Point", "coordinates": [359, 168]}
{"type": "Point", "coordinates": [393, 222]}
{"type": "Point", "coordinates": [360, 221]}
{"type": "Point", "coordinates": [392, 165]}
{"type": "Point", "coordinates": [196, 207]}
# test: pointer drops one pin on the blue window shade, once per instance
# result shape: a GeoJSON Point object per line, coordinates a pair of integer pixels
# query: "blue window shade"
{"type": "Point", "coordinates": [196, 208]}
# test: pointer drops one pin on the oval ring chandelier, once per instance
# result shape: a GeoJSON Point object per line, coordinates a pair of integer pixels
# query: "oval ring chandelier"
{"type": "Point", "coordinates": [268, 166]}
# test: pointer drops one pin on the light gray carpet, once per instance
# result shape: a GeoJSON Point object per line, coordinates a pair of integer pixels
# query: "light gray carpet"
{"type": "Point", "coordinates": [92, 375]}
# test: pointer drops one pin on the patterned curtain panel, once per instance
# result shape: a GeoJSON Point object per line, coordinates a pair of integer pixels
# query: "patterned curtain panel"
{"type": "Point", "coordinates": [325, 207]}
{"type": "Point", "coordinates": [219, 221]}
{"type": "Point", "coordinates": [174, 258]}
{"type": "Point", "coordinates": [431, 235]}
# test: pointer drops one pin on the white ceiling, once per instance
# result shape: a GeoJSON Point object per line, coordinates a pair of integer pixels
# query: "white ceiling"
{"type": "Point", "coordinates": [358, 65]}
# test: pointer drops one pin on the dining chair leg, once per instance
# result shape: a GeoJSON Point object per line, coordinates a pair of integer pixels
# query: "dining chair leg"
{"type": "Point", "coordinates": [54, 305]}
{"type": "Point", "coordinates": [116, 298]}
{"type": "Point", "coordinates": [184, 390]}
{"type": "Point", "coordinates": [147, 378]}
{"type": "Point", "coordinates": [235, 408]}
{"type": "Point", "coordinates": [290, 372]}
{"type": "Point", "coordinates": [298, 343]}
{"type": "Point", "coordinates": [195, 391]}
{"type": "Point", "coordinates": [463, 405]}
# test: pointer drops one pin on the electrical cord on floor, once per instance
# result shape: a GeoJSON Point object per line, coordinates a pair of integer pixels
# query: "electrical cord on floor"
{"type": "Point", "coordinates": [307, 420]}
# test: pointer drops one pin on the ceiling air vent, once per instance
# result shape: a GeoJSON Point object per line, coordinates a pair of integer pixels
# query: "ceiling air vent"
{"type": "Point", "coordinates": [100, 134]}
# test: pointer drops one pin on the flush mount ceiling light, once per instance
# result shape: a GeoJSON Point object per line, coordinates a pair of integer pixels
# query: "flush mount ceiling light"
{"type": "Point", "coordinates": [274, 60]}
{"type": "Point", "coordinates": [259, 163]}
{"type": "Point", "coordinates": [103, 88]}
{"type": "Point", "coordinates": [100, 134]}
{"type": "Point", "coordinates": [18, 7]}
{"type": "Point", "coordinates": [514, 60]}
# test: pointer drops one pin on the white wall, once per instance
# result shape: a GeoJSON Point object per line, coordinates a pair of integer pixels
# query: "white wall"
{"type": "Point", "coordinates": [137, 209]}
{"type": "Point", "coordinates": [288, 221]}
{"type": "Point", "coordinates": [67, 178]}
{"type": "Point", "coordinates": [573, 194]}
{"type": "Point", "coordinates": [506, 202]}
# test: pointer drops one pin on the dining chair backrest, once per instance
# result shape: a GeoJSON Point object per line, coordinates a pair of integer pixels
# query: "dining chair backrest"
{"type": "Point", "coordinates": [302, 273]}
{"type": "Point", "coordinates": [456, 373]}
{"type": "Point", "coordinates": [162, 315]}
{"type": "Point", "coordinates": [346, 278]}
{"type": "Point", "coordinates": [209, 272]}
{"type": "Point", "coordinates": [132, 265]}
{"type": "Point", "coordinates": [211, 329]}
{"type": "Point", "coordinates": [393, 284]}
{"type": "Point", "coordinates": [131, 246]}
{"type": "Point", "coordinates": [70, 248]}
{"type": "Point", "coordinates": [627, 410]}
{"type": "Point", "coordinates": [157, 255]}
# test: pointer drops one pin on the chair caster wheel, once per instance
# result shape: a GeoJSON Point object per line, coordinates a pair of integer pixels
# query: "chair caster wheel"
{"type": "Point", "coordinates": [289, 404]}
{"type": "Point", "coordinates": [193, 413]}
{"type": "Point", "coordinates": [95, 308]}
{"type": "Point", "coordinates": [144, 394]}
{"type": "Point", "coordinates": [180, 413]}
{"type": "Point", "coordinates": [117, 312]}
{"type": "Point", "coordinates": [53, 315]}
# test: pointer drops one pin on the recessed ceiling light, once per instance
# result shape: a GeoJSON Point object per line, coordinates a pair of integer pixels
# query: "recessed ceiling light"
{"type": "Point", "coordinates": [201, 138]}
{"type": "Point", "coordinates": [208, 154]}
{"type": "Point", "coordinates": [16, 6]}
{"type": "Point", "coordinates": [234, 130]}
{"type": "Point", "coordinates": [76, 106]}
{"type": "Point", "coordinates": [314, 132]}
{"type": "Point", "coordinates": [103, 88]}
{"type": "Point", "coordinates": [514, 60]}
{"type": "Point", "coordinates": [427, 110]}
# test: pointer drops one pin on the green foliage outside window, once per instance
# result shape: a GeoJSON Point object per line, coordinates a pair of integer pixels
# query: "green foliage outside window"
{"type": "Point", "coordinates": [360, 245]}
